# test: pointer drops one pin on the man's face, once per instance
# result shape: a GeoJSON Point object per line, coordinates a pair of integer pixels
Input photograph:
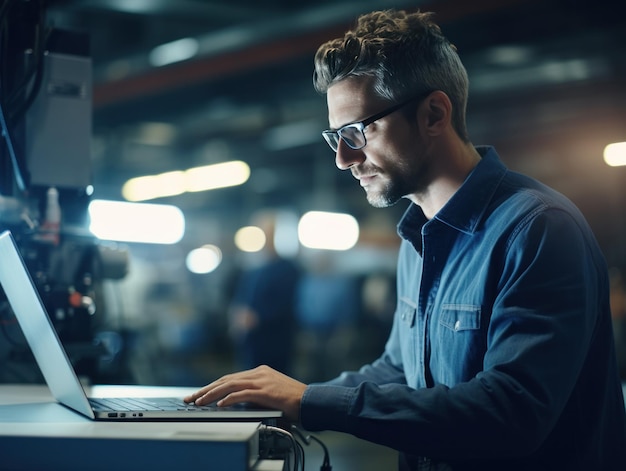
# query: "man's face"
{"type": "Point", "coordinates": [392, 164]}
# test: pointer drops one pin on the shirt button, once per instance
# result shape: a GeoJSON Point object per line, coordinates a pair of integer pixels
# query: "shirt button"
{"type": "Point", "coordinates": [457, 325]}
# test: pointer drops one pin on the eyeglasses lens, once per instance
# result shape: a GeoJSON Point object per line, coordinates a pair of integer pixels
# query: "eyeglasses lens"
{"type": "Point", "coordinates": [332, 138]}
{"type": "Point", "coordinates": [353, 136]}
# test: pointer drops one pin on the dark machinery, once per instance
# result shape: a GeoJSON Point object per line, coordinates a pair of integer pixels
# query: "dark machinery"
{"type": "Point", "coordinates": [45, 187]}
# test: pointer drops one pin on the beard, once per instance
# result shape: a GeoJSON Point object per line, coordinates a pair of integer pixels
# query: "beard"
{"type": "Point", "coordinates": [384, 197]}
{"type": "Point", "coordinates": [394, 185]}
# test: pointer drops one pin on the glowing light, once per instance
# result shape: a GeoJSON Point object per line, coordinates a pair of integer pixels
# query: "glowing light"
{"type": "Point", "coordinates": [175, 51]}
{"type": "Point", "coordinates": [329, 231]}
{"type": "Point", "coordinates": [208, 177]}
{"type": "Point", "coordinates": [250, 239]}
{"type": "Point", "coordinates": [154, 186]}
{"type": "Point", "coordinates": [615, 154]}
{"type": "Point", "coordinates": [204, 259]}
{"type": "Point", "coordinates": [134, 222]}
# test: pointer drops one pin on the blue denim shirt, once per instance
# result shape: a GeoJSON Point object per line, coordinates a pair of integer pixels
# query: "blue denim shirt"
{"type": "Point", "coordinates": [501, 353]}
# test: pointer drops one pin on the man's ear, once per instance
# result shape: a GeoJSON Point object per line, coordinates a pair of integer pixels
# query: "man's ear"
{"type": "Point", "coordinates": [438, 112]}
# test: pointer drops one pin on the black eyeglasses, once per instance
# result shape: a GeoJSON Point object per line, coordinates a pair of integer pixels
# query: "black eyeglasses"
{"type": "Point", "coordinates": [353, 134]}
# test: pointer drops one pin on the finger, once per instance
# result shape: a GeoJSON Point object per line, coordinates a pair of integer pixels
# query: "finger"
{"type": "Point", "coordinates": [192, 397]}
{"type": "Point", "coordinates": [200, 392]}
{"type": "Point", "coordinates": [206, 394]}
{"type": "Point", "coordinates": [224, 389]}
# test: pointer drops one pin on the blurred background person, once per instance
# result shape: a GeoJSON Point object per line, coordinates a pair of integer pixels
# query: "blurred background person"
{"type": "Point", "coordinates": [261, 316]}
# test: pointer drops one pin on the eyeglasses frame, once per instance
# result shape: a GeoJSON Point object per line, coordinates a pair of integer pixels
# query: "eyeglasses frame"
{"type": "Point", "coordinates": [361, 125]}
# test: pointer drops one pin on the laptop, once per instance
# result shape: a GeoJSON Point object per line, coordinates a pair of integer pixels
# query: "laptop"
{"type": "Point", "coordinates": [60, 375]}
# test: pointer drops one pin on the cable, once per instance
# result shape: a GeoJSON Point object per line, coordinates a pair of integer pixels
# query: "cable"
{"type": "Point", "coordinates": [307, 439]}
{"type": "Point", "coordinates": [294, 444]}
{"type": "Point", "coordinates": [35, 70]}
{"type": "Point", "coordinates": [301, 450]}
{"type": "Point", "coordinates": [17, 170]}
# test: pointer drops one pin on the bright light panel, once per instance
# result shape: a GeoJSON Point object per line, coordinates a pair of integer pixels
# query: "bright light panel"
{"type": "Point", "coordinates": [154, 186]}
{"type": "Point", "coordinates": [204, 259]}
{"type": "Point", "coordinates": [208, 177]}
{"type": "Point", "coordinates": [615, 154]}
{"type": "Point", "coordinates": [136, 222]}
{"type": "Point", "coordinates": [328, 231]}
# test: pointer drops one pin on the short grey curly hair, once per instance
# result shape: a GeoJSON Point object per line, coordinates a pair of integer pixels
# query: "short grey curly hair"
{"type": "Point", "coordinates": [405, 53]}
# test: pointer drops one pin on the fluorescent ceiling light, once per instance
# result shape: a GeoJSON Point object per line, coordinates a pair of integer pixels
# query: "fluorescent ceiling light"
{"type": "Point", "coordinates": [208, 177]}
{"type": "Point", "coordinates": [615, 154]}
{"type": "Point", "coordinates": [176, 51]}
{"type": "Point", "coordinates": [154, 186]}
{"type": "Point", "coordinates": [136, 222]}
{"type": "Point", "coordinates": [328, 231]}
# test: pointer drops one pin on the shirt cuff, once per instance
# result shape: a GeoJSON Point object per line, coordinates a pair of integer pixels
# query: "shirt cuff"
{"type": "Point", "coordinates": [323, 406]}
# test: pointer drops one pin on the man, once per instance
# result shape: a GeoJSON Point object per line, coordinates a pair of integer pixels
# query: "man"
{"type": "Point", "coordinates": [501, 354]}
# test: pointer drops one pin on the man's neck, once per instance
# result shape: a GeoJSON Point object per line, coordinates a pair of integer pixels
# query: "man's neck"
{"type": "Point", "coordinates": [453, 170]}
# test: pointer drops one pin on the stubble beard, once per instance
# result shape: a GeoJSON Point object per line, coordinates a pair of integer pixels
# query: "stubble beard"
{"type": "Point", "coordinates": [397, 185]}
{"type": "Point", "coordinates": [387, 196]}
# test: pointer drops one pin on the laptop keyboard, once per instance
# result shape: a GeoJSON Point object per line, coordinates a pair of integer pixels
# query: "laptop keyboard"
{"type": "Point", "coordinates": [145, 404]}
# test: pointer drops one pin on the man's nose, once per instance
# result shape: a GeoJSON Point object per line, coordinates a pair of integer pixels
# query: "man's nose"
{"type": "Point", "coordinates": [346, 157]}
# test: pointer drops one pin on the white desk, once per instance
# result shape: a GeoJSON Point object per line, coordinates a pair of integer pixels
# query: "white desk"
{"type": "Point", "coordinates": [38, 433]}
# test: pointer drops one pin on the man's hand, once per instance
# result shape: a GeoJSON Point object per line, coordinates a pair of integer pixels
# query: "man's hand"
{"type": "Point", "coordinates": [262, 385]}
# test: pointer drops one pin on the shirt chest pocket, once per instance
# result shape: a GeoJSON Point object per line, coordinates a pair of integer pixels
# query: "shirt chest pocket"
{"type": "Point", "coordinates": [457, 343]}
{"type": "Point", "coordinates": [460, 317]}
